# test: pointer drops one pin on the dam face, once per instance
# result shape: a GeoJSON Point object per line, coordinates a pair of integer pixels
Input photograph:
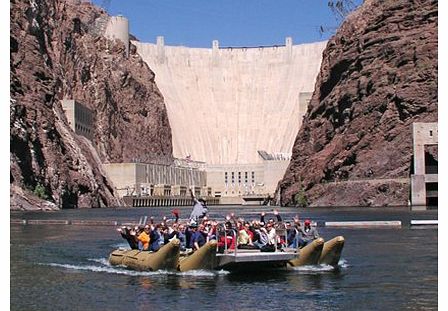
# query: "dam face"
{"type": "Point", "coordinates": [235, 108]}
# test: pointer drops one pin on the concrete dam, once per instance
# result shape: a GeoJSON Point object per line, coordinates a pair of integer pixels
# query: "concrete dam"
{"type": "Point", "coordinates": [226, 104]}
{"type": "Point", "coordinates": [234, 113]}
{"type": "Point", "coordinates": [237, 109]}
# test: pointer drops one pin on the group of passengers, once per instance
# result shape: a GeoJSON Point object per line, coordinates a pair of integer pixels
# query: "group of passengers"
{"type": "Point", "coordinates": [267, 236]}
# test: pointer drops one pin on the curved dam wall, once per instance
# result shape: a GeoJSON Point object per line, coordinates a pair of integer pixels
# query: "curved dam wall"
{"type": "Point", "coordinates": [226, 104]}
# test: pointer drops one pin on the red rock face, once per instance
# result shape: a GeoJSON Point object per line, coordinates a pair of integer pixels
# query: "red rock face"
{"type": "Point", "coordinates": [378, 76]}
{"type": "Point", "coordinates": [57, 52]}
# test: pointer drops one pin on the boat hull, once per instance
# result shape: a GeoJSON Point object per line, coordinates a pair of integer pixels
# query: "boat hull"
{"type": "Point", "coordinates": [204, 258]}
{"type": "Point", "coordinates": [166, 258]}
{"type": "Point", "coordinates": [332, 250]}
{"type": "Point", "coordinates": [308, 255]}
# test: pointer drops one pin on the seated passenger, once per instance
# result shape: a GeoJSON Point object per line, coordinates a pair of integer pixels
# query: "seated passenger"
{"type": "Point", "coordinates": [144, 239]}
{"type": "Point", "coordinates": [199, 238]}
{"type": "Point", "coordinates": [245, 237]}
{"type": "Point", "coordinates": [182, 238]}
{"type": "Point", "coordinates": [226, 238]}
{"type": "Point", "coordinates": [293, 235]}
{"type": "Point", "coordinates": [156, 239]}
{"type": "Point", "coordinates": [211, 230]}
{"type": "Point", "coordinates": [307, 234]}
{"type": "Point", "coordinates": [272, 238]}
{"type": "Point", "coordinates": [261, 236]}
{"type": "Point", "coordinates": [129, 236]}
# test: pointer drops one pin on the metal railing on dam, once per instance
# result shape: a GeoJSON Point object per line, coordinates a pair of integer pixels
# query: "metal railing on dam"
{"type": "Point", "coordinates": [251, 47]}
{"type": "Point", "coordinates": [155, 201]}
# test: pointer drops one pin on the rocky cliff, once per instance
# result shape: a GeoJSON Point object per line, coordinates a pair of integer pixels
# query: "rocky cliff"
{"type": "Point", "coordinates": [58, 51]}
{"type": "Point", "coordinates": [378, 76]}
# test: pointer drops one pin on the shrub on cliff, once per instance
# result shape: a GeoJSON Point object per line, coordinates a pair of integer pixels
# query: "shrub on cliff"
{"type": "Point", "coordinates": [300, 199]}
{"type": "Point", "coordinates": [39, 191]}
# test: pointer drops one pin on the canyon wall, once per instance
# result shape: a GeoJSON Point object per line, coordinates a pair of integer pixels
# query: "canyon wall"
{"type": "Point", "coordinates": [58, 51]}
{"type": "Point", "coordinates": [378, 76]}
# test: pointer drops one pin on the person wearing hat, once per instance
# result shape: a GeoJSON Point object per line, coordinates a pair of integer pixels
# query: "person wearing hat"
{"type": "Point", "coordinates": [144, 239]}
{"type": "Point", "coordinates": [199, 208]}
{"type": "Point", "coordinates": [307, 234]}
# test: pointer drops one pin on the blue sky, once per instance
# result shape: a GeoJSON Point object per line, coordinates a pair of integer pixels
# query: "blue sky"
{"type": "Point", "coordinates": [195, 23]}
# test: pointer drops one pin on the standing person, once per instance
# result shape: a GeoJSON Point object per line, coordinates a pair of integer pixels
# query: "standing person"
{"type": "Point", "coordinates": [199, 208]}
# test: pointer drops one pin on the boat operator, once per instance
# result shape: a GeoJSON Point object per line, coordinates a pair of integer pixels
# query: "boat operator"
{"type": "Point", "coordinates": [199, 208]}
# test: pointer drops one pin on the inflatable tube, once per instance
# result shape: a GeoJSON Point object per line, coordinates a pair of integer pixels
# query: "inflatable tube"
{"type": "Point", "coordinates": [116, 257]}
{"type": "Point", "coordinates": [331, 252]}
{"type": "Point", "coordinates": [309, 255]}
{"type": "Point", "coordinates": [167, 258]}
{"type": "Point", "coordinates": [204, 258]}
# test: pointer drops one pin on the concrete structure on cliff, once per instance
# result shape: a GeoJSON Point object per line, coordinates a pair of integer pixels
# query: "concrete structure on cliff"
{"type": "Point", "coordinates": [237, 109]}
{"type": "Point", "coordinates": [117, 28]}
{"type": "Point", "coordinates": [79, 117]}
{"type": "Point", "coordinates": [424, 180]}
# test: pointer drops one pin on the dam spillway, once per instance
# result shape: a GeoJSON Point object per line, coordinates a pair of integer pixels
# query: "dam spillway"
{"type": "Point", "coordinates": [226, 104]}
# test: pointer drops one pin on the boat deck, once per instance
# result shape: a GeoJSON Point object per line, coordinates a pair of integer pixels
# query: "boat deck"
{"type": "Point", "coordinates": [244, 259]}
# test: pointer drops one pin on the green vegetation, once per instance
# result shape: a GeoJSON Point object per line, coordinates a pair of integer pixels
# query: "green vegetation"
{"type": "Point", "coordinates": [300, 199]}
{"type": "Point", "coordinates": [39, 191]}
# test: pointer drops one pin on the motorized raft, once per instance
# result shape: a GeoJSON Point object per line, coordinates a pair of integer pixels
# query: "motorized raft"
{"type": "Point", "coordinates": [210, 257]}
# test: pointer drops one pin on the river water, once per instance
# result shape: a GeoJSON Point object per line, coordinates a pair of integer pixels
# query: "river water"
{"type": "Point", "coordinates": [64, 267]}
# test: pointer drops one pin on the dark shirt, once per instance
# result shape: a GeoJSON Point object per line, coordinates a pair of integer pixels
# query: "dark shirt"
{"type": "Point", "coordinates": [168, 236]}
{"type": "Point", "coordinates": [154, 240]}
{"type": "Point", "coordinates": [188, 238]}
{"type": "Point", "coordinates": [130, 238]}
{"type": "Point", "coordinates": [183, 240]}
{"type": "Point", "coordinates": [198, 237]}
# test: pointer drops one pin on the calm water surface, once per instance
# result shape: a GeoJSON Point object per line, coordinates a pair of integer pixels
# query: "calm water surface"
{"type": "Point", "coordinates": [64, 267]}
